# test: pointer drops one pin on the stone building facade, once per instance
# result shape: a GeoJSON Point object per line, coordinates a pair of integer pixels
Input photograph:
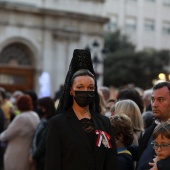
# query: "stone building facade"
{"type": "Point", "coordinates": [40, 36]}
{"type": "Point", "coordinates": [146, 22]}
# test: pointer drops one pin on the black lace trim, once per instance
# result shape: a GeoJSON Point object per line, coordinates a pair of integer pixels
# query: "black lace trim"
{"type": "Point", "coordinates": [87, 125]}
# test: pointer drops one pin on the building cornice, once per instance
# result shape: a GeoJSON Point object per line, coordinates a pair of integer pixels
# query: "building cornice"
{"type": "Point", "coordinates": [33, 9]}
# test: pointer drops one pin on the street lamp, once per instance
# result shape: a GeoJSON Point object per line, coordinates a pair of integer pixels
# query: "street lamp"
{"type": "Point", "coordinates": [162, 76]}
{"type": "Point", "coordinates": [95, 56]}
{"type": "Point", "coordinates": [95, 44]}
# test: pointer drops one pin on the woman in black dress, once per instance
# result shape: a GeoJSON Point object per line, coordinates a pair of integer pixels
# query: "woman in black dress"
{"type": "Point", "coordinates": [79, 137]}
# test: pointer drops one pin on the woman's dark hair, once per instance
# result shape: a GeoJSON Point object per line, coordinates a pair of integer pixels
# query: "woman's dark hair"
{"type": "Point", "coordinates": [132, 95]}
{"type": "Point", "coordinates": [3, 93]}
{"type": "Point", "coordinates": [49, 106]}
{"type": "Point", "coordinates": [34, 98]}
{"type": "Point", "coordinates": [82, 72]}
{"type": "Point", "coordinates": [148, 118]}
{"type": "Point", "coordinates": [24, 103]}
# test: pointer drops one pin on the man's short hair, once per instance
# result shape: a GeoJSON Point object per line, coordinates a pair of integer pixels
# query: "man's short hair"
{"type": "Point", "coordinates": [162, 84]}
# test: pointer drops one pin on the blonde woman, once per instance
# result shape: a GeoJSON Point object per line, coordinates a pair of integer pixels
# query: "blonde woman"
{"type": "Point", "coordinates": [130, 108]}
{"type": "Point", "coordinates": [102, 103]}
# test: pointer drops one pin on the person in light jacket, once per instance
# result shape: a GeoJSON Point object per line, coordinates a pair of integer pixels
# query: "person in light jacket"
{"type": "Point", "coordinates": [19, 135]}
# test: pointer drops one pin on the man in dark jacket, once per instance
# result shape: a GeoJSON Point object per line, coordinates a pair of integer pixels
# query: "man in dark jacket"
{"type": "Point", "coordinates": [160, 102]}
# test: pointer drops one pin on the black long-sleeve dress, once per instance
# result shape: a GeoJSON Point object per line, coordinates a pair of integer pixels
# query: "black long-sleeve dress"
{"type": "Point", "coordinates": [70, 147]}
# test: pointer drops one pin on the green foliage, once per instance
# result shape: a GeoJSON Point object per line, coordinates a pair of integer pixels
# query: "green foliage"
{"type": "Point", "coordinates": [114, 41]}
{"type": "Point", "coordinates": [123, 64]}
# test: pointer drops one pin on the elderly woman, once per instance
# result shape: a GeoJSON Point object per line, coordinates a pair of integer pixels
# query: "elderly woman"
{"type": "Point", "coordinates": [19, 135]}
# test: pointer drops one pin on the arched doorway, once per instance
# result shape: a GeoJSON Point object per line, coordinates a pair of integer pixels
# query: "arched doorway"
{"type": "Point", "coordinates": [16, 67]}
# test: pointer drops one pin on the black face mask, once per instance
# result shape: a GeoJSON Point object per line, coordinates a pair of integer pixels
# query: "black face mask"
{"type": "Point", "coordinates": [84, 98]}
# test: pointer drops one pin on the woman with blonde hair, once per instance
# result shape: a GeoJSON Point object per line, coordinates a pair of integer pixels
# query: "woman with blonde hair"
{"type": "Point", "coordinates": [130, 108]}
{"type": "Point", "coordinates": [102, 103]}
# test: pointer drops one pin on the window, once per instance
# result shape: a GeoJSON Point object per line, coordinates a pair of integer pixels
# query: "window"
{"type": "Point", "coordinates": [130, 24]}
{"type": "Point", "coordinates": [94, 0]}
{"type": "Point", "coordinates": [16, 54]}
{"type": "Point", "coordinates": [166, 28]}
{"type": "Point", "coordinates": [151, 0]}
{"type": "Point", "coordinates": [16, 67]}
{"type": "Point", "coordinates": [149, 25]}
{"type": "Point", "coordinates": [149, 50]}
{"type": "Point", "coordinates": [166, 2]}
{"type": "Point", "coordinates": [112, 25]}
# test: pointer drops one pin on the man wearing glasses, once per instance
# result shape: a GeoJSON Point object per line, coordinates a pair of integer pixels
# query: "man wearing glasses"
{"type": "Point", "coordinates": [160, 102]}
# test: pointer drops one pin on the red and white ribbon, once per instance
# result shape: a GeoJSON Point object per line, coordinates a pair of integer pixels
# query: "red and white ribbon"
{"type": "Point", "coordinates": [103, 136]}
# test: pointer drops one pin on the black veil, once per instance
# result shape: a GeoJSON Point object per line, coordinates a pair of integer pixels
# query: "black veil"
{"type": "Point", "coordinates": [81, 60]}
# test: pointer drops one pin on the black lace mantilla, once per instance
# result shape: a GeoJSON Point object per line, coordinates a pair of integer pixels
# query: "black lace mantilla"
{"type": "Point", "coordinates": [81, 60]}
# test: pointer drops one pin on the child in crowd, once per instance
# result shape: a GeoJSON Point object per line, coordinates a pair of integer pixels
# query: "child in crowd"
{"type": "Point", "coordinates": [122, 127]}
{"type": "Point", "coordinates": [161, 144]}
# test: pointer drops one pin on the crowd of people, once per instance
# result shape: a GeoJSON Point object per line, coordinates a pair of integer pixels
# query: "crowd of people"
{"type": "Point", "coordinates": [24, 119]}
{"type": "Point", "coordinates": [85, 126]}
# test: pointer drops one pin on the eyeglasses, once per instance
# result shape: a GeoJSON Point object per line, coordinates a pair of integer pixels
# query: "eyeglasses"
{"type": "Point", "coordinates": [161, 146]}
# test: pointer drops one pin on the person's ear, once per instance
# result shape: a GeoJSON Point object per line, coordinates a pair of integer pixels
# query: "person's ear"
{"type": "Point", "coordinates": [71, 91]}
{"type": "Point", "coordinates": [119, 137]}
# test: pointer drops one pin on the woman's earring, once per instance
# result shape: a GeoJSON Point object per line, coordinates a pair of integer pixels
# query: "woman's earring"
{"type": "Point", "coordinates": [71, 93]}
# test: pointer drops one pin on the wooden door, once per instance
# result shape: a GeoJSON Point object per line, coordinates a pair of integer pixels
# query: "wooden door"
{"type": "Point", "coordinates": [16, 68]}
{"type": "Point", "coordinates": [16, 78]}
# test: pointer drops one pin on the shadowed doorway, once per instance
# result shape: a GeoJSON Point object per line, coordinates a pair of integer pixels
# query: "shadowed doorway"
{"type": "Point", "coordinates": [16, 68]}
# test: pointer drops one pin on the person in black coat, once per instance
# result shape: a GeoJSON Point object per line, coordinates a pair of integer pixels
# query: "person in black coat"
{"type": "Point", "coordinates": [160, 102]}
{"type": "Point", "coordinates": [46, 109]}
{"type": "Point", "coordinates": [79, 137]}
